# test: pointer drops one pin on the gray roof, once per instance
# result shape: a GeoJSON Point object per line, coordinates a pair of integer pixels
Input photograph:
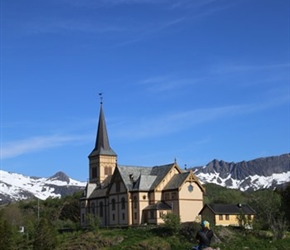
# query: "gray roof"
{"type": "Point", "coordinates": [143, 178]}
{"type": "Point", "coordinates": [176, 181]}
{"type": "Point", "coordinates": [160, 172]}
{"type": "Point", "coordinates": [102, 146]}
{"type": "Point", "coordinates": [98, 193]}
{"type": "Point", "coordinates": [230, 209]}
{"type": "Point", "coordinates": [144, 182]}
{"type": "Point", "coordinates": [158, 206]}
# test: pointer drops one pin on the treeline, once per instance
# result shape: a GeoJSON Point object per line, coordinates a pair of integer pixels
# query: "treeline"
{"type": "Point", "coordinates": [37, 224]}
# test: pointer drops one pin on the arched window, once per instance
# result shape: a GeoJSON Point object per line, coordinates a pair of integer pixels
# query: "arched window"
{"type": "Point", "coordinates": [93, 208]}
{"type": "Point", "coordinates": [113, 204]}
{"type": "Point", "coordinates": [101, 209]}
{"type": "Point", "coordinates": [135, 201]}
{"type": "Point", "coordinates": [123, 203]}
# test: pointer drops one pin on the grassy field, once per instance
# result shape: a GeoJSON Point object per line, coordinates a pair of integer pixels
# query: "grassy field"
{"type": "Point", "coordinates": [150, 238]}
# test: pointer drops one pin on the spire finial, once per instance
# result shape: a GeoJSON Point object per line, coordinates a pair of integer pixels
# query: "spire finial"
{"type": "Point", "coordinates": [101, 97]}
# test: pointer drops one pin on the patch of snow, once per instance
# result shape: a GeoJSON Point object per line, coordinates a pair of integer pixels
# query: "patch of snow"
{"type": "Point", "coordinates": [257, 182]}
{"type": "Point", "coordinates": [16, 185]}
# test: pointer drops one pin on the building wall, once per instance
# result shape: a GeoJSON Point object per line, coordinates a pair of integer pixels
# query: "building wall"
{"type": "Point", "coordinates": [227, 220]}
{"type": "Point", "coordinates": [208, 215]}
{"type": "Point", "coordinates": [123, 208]}
{"type": "Point", "coordinates": [143, 203]}
{"type": "Point", "coordinates": [190, 202]}
{"type": "Point", "coordinates": [223, 219]}
{"type": "Point", "coordinates": [101, 166]}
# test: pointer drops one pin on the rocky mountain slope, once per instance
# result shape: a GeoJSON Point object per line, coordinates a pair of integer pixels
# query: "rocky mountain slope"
{"type": "Point", "coordinates": [15, 186]}
{"type": "Point", "coordinates": [267, 172]}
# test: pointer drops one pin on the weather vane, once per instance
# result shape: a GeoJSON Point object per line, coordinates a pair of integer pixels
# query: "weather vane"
{"type": "Point", "coordinates": [101, 97]}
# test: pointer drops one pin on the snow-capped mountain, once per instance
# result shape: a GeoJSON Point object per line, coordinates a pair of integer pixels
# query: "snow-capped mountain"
{"type": "Point", "coordinates": [15, 186]}
{"type": "Point", "coordinates": [260, 173]}
{"type": "Point", "coordinates": [268, 172]}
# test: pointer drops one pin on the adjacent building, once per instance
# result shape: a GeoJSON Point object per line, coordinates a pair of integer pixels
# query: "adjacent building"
{"type": "Point", "coordinates": [121, 195]}
{"type": "Point", "coordinates": [228, 214]}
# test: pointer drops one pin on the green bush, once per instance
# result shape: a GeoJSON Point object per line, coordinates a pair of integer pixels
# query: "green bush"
{"type": "Point", "coordinates": [172, 223]}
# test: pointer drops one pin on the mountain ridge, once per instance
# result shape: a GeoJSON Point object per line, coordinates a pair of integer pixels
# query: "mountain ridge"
{"type": "Point", "coordinates": [260, 173]}
{"type": "Point", "coordinates": [263, 172]}
{"type": "Point", "coordinates": [14, 186]}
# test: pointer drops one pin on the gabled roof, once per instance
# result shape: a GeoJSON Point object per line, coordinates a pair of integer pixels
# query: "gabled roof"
{"type": "Point", "coordinates": [102, 146]}
{"type": "Point", "coordinates": [176, 181]}
{"type": "Point", "coordinates": [229, 209]}
{"type": "Point", "coordinates": [143, 178]}
{"type": "Point", "coordinates": [160, 172]}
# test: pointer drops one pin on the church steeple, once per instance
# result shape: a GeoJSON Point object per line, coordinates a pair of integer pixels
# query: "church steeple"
{"type": "Point", "coordinates": [102, 145]}
{"type": "Point", "coordinates": [102, 159]}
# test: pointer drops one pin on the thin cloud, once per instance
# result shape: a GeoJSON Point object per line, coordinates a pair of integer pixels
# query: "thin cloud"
{"type": "Point", "coordinates": [146, 31]}
{"type": "Point", "coordinates": [161, 84]}
{"type": "Point", "coordinates": [34, 144]}
{"type": "Point", "coordinates": [68, 25]}
{"type": "Point", "coordinates": [110, 3]}
{"type": "Point", "coordinates": [171, 123]}
{"type": "Point", "coordinates": [237, 68]}
{"type": "Point", "coordinates": [174, 122]}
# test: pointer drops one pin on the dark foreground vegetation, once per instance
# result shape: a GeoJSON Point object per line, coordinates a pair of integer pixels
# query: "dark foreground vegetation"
{"type": "Point", "coordinates": [54, 224]}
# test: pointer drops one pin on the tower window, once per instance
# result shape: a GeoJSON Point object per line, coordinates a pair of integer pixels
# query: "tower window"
{"type": "Point", "coordinates": [108, 171]}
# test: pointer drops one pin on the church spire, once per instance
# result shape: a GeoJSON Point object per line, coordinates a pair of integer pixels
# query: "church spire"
{"type": "Point", "coordinates": [102, 145]}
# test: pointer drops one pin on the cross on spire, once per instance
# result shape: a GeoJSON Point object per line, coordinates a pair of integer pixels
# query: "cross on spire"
{"type": "Point", "coordinates": [101, 97]}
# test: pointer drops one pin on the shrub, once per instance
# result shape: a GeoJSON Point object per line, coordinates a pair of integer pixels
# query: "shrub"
{"type": "Point", "coordinates": [172, 223]}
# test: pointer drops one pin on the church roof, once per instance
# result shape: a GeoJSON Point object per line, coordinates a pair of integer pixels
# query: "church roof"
{"type": "Point", "coordinates": [102, 145]}
{"type": "Point", "coordinates": [143, 178]}
{"type": "Point", "coordinates": [158, 206]}
{"type": "Point", "coordinates": [176, 181]}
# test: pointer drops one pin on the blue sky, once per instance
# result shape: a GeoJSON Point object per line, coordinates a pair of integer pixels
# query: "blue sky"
{"type": "Point", "coordinates": [192, 80]}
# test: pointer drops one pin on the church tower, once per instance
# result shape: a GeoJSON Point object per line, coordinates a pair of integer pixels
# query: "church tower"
{"type": "Point", "coordinates": [102, 159]}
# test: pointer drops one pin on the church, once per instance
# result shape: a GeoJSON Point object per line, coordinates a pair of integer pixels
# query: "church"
{"type": "Point", "coordinates": [121, 195]}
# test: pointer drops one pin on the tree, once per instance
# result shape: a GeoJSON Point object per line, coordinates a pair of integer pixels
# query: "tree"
{"type": "Point", "coordinates": [45, 236]}
{"type": "Point", "coordinates": [278, 226]}
{"type": "Point", "coordinates": [92, 222]}
{"type": "Point", "coordinates": [267, 204]}
{"type": "Point", "coordinates": [285, 196]}
{"type": "Point", "coordinates": [172, 223]}
{"type": "Point", "coordinates": [6, 232]}
{"type": "Point", "coordinates": [223, 195]}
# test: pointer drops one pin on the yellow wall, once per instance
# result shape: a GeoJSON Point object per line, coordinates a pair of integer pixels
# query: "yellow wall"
{"type": "Point", "coordinates": [190, 203]}
{"type": "Point", "coordinates": [143, 203]}
{"type": "Point", "coordinates": [223, 220]}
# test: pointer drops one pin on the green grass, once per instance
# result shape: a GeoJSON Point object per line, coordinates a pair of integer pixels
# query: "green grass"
{"type": "Point", "coordinates": [147, 238]}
